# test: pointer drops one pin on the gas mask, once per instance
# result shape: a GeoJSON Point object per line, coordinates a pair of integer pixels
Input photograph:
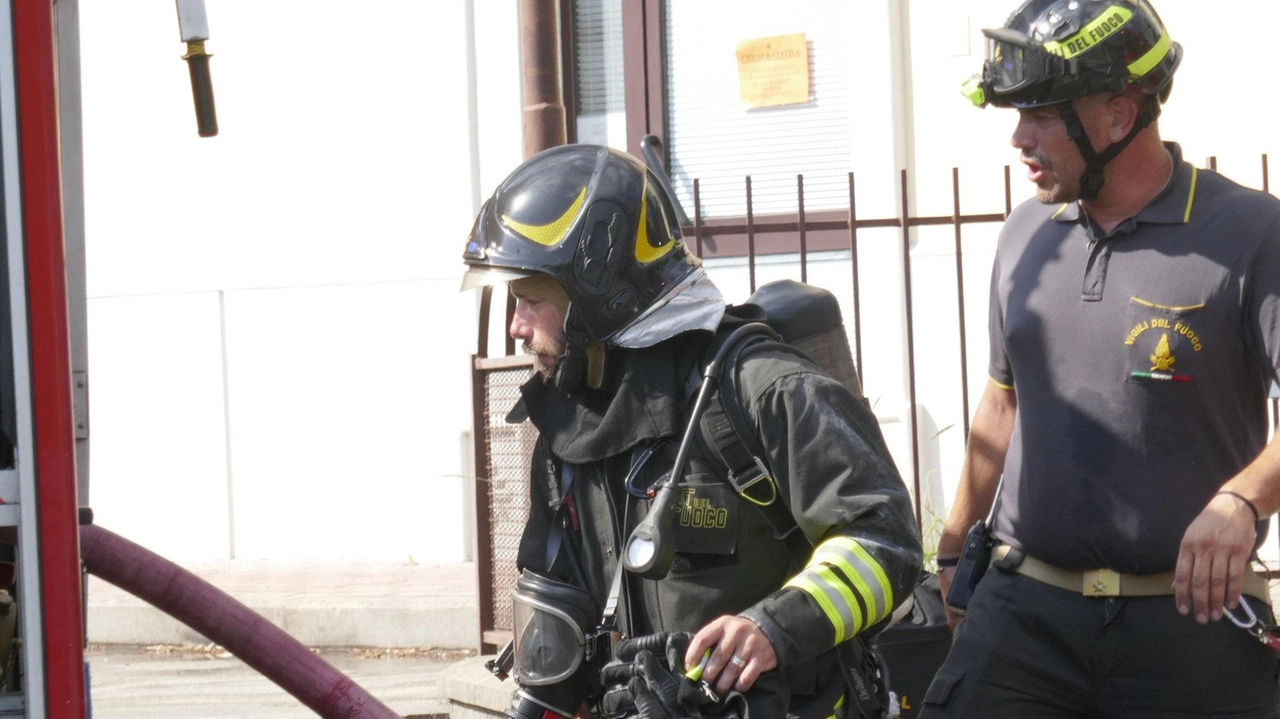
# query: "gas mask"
{"type": "Point", "coordinates": [558, 650]}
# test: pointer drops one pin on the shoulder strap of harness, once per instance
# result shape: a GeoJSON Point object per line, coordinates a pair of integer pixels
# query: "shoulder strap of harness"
{"type": "Point", "coordinates": [731, 439]}
{"type": "Point", "coordinates": [729, 436]}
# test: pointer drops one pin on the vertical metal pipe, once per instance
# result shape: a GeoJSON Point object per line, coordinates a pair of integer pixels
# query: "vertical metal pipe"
{"type": "Point", "coordinates": [510, 345]}
{"type": "Point", "coordinates": [697, 216]}
{"type": "Point", "coordinates": [227, 441]}
{"type": "Point", "coordinates": [964, 352]}
{"type": "Point", "coordinates": [486, 304]}
{"type": "Point", "coordinates": [911, 346]}
{"type": "Point", "coordinates": [751, 238]}
{"type": "Point", "coordinates": [857, 301]}
{"type": "Point", "coordinates": [804, 246]}
{"type": "Point", "coordinates": [482, 489]}
{"type": "Point", "coordinates": [543, 112]}
{"type": "Point", "coordinates": [1008, 193]}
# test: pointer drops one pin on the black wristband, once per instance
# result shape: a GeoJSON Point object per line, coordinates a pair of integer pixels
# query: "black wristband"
{"type": "Point", "coordinates": [1256, 517]}
{"type": "Point", "coordinates": [947, 562]}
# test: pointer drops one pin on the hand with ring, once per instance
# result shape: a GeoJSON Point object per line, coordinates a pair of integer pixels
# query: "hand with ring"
{"type": "Point", "coordinates": [740, 653]}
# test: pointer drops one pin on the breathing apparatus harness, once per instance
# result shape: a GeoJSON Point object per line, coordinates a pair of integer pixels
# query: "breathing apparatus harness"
{"type": "Point", "coordinates": [556, 654]}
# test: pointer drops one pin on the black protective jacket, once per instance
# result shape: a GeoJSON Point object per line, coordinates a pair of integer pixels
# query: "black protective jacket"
{"type": "Point", "coordinates": [831, 468]}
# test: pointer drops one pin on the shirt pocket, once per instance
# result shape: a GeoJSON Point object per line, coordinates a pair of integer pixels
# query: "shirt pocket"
{"type": "Point", "coordinates": [1164, 342]}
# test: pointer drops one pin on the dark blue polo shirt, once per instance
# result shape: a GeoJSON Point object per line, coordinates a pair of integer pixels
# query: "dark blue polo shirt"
{"type": "Point", "coordinates": [1141, 361]}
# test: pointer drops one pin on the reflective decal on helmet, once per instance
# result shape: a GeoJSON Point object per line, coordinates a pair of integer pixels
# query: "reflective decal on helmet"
{"type": "Point", "coordinates": [552, 233]}
{"type": "Point", "coordinates": [646, 251]}
{"type": "Point", "coordinates": [1103, 27]}
{"type": "Point", "coordinates": [1153, 57]}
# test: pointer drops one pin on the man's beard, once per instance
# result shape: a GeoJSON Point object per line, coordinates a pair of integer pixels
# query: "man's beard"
{"type": "Point", "coordinates": [544, 353]}
{"type": "Point", "coordinates": [1062, 190]}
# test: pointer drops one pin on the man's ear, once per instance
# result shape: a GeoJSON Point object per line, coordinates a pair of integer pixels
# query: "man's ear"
{"type": "Point", "coordinates": [1122, 115]}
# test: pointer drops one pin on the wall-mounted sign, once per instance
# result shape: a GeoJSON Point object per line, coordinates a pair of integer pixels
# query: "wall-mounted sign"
{"type": "Point", "coordinates": [773, 70]}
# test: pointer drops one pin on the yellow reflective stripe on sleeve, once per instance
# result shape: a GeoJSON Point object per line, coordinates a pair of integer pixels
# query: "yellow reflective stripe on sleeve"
{"type": "Point", "coordinates": [843, 600]}
{"type": "Point", "coordinates": [877, 573]}
{"type": "Point", "coordinates": [1105, 25]}
{"type": "Point", "coordinates": [553, 232]}
{"type": "Point", "coordinates": [804, 583]}
{"type": "Point", "coordinates": [847, 555]}
{"type": "Point", "coordinates": [836, 710]}
{"type": "Point", "coordinates": [1001, 385]}
{"type": "Point", "coordinates": [1151, 58]}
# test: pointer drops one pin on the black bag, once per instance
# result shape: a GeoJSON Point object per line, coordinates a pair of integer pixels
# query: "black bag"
{"type": "Point", "coordinates": [915, 647]}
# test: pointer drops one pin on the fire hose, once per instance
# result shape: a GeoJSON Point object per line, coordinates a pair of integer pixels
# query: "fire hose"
{"type": "Point", "coordinates": [225, 621]}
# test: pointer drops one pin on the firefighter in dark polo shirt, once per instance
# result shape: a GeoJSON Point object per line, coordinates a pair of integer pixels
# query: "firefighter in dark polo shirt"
{"type": "Point", "coordinates": [1122, 437]}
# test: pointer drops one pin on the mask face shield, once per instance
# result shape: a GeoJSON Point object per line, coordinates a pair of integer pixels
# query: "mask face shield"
{"type": "Point", "coordinates": [551, 621]}
{"type": "Point", "coordinates": [549, 646]}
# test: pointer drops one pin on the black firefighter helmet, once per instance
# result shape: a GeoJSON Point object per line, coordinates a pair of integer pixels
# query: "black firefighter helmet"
{"type": "Point", "coordinates": [595, 220]}
{"type": "Point", "coordinates": [1052, 52]}
{"type": "Point", "coordinates": [1055, 51]}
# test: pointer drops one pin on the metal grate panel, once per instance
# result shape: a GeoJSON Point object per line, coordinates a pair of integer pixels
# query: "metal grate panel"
{"type": "Point", "coordinates": [507, 469]}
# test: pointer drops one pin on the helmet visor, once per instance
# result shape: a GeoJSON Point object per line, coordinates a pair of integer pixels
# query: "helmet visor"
{"type": "Point", "coordinates": [1006, 66]}
{"type": "Point", "coordinates": [1015, 62]}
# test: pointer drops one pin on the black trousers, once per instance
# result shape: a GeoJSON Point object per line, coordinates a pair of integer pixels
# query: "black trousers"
{"type": "Point", "coordinates": [1028, 650]}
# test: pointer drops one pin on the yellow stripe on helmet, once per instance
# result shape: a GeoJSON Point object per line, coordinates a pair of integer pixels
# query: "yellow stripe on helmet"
{"type": "Point", "coordinates": [553, 233]}
{"type": "Point", "coordinates": [645, 252]}
{"type": "Point", "coordinates": [1151, 58]}
{"type": "Point", "coordinates": [1102, 27]}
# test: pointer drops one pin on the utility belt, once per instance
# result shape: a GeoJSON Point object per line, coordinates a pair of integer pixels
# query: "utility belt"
{"type": "Point", "coordinates": [1105, 582]}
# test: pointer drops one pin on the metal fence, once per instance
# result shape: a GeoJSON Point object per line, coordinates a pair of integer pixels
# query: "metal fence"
{"type": "Point", "coordinates": [502, 450]}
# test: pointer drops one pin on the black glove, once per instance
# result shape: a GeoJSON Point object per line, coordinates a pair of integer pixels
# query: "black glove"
{"type": "Point", "coordinates": [646, 680]}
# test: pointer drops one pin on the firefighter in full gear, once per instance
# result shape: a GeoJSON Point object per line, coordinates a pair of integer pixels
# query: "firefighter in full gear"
{"type": "Point", "coordinates": [621, 321]}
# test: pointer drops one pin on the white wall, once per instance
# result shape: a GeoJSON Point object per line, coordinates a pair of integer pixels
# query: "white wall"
{"type": "Point", "coordinates": [309, 253]}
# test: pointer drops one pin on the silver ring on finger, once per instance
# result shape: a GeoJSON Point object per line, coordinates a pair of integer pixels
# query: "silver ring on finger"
{"type": "Point", "coordinates": [737, 662]}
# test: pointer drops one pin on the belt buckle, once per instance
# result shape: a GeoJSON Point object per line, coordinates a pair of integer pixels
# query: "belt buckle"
{"type": "Point", "coordinates": [1101, 583]}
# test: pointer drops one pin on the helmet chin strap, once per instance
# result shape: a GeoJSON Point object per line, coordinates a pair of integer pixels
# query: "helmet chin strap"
{"type": "Point", "coordinates": [571, 367]}
{"type": "Point", "coordinates": [1092, 180]}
